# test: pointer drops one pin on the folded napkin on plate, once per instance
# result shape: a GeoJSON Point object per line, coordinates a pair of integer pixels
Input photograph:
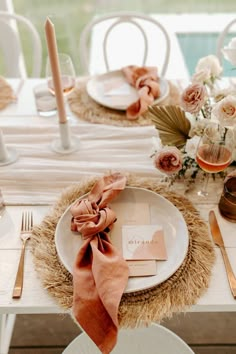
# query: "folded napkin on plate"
{"type": "Point", "coordinates": [146, 81]}
{"type": "Point", "coordinates": [6, 93]}
{"type": "Point", "coordinates": [100, 273]}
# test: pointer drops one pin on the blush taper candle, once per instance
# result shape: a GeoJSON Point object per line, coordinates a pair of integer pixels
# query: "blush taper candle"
{"type": "Point", "coordinates": [55, 68]}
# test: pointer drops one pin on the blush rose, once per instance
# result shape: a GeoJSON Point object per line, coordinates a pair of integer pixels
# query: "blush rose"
{"type": "Point", "coordinates": [168, 160]}
{"type": "Point", "coordinates": [193, 98]}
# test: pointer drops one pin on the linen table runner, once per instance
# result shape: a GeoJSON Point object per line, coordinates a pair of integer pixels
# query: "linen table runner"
{"type": "Point", "coordinates": [40, 171]}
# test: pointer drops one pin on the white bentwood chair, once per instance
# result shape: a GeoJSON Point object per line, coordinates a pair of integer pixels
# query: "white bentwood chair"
{"type": "Point", "coordinates": [221, 39]}
{"type": "Point", "coordinates": [135, 33]}
{"type": "Point", "coordinates": [155, 339]}
{"type": "Point", "coordinates": [11, 48]}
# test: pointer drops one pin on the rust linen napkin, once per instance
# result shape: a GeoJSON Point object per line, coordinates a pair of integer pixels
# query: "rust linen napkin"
{"type": "Point", "coordinates": [146, 81]}
{"type": "Point", "coordinates": [100, 273]}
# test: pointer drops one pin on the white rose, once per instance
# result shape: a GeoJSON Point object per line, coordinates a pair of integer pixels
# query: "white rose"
{"type": "Point", "coordinates": [191, 146]}
{"type": "Point", "coordinates": [225, 111]}
{"type": "Point", "coordinates": [198, 128]}
{"type": "Point", "coordinates": [211, 63]}
{"type": "Point", "coordinates": [220, 93]}
{"type": "Point", "coordinates": [202, 76]}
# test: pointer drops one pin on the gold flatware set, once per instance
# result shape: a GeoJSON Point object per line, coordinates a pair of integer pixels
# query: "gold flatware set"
{"type": "Point", "coordinates": [218, 240]}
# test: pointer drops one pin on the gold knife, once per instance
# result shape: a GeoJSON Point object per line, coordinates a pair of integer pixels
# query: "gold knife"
{"type": "Point", "coordinates": [217, 237]}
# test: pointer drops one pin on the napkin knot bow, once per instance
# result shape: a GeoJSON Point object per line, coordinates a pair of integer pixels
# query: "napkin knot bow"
{"type": "Point", "coordinates": [146, 81]}
{"type": "Point", "coordinates": [90, 220]}
{"type": "Point", "coordinates": [100, 273]}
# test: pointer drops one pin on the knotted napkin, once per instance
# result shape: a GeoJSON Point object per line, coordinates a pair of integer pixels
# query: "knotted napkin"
{"type": "Point", "coordinates": [145, 80]}
{"type": "Point", "coordinates": [100, 273]}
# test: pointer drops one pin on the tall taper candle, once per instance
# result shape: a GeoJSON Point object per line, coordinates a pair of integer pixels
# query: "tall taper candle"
{"type": "Point", "coordinates": [55, 68]}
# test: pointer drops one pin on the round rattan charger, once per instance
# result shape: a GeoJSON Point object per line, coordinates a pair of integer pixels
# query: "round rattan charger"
{"type": "Point", "coordinates": [176, 294]}
{"type": "Point", "coordinates": [87, 109]}
{"type": "Point", "coordinates": [6, 93]}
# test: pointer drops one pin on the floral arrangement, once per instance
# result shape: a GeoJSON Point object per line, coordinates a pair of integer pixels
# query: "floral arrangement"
{"type": "Point", "coordinates": [180, 128]}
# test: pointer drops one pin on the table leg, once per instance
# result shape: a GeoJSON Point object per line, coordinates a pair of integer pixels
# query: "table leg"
{"type": "Point", "coordinates": [7, 322]}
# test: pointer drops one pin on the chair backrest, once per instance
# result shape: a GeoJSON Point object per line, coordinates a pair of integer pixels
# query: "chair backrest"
{"type": "Point", "coordinates": [221, 39]}
{"type": "Point", "coordinates": [11, 48]}
{"type": "Point", "coordinates": [139, 22]}
{"type": "Point", "coordinates": [154, 339]}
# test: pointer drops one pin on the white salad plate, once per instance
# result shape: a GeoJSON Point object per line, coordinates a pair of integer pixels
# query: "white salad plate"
{"type": "Point", "coordinates": [112, 90]}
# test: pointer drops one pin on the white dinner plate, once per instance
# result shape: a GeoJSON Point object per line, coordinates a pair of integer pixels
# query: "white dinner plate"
{"type": "Point", "coordinates": [112, 90]}
{"type": "Point", "coordinates": [162, 212]}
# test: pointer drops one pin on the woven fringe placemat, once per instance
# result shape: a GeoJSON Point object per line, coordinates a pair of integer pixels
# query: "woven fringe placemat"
{"type": "Point", "coordinates": [6, 93]}
{"type": "Point", "coordinates": [86, 108]}
{"type": "Point", "coordinates": [176, 294]}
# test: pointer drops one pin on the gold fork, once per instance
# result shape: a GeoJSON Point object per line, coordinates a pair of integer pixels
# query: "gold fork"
{"type": "Point", "coordinates": [26, 228]}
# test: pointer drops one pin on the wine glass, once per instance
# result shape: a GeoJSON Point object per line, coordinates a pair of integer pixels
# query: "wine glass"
{"type": "Point", "coordinates": [214, 152]}
{"type": "Point", "coordinates": [67, 74]}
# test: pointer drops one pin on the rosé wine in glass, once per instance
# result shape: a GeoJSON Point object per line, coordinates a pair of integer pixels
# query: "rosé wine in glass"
{"type": "Point", "coordinates": [67, 74]}
{"type": "Point", "coordinates": [68, 84]}
{"type": "Point", "coordinates": [213, 158]}
{"type": "Point", "coordinates": [214, 152]}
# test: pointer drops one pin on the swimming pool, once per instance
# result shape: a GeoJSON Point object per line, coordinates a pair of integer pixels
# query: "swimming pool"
{"type": "Point", "coordinates": [197, 45]}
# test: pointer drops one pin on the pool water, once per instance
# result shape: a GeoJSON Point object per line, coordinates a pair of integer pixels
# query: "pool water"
{"type": "Point", "coordinates": [197, 45]}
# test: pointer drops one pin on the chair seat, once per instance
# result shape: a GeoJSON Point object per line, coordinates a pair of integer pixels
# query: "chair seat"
{"type": "Point", "coordinates": [155, 339]}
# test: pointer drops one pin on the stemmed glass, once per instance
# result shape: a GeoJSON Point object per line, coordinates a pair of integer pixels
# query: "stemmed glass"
{"type": "Point", "coordinates": [68, 77]}
{"type": "Point", "coordinates": [214, 152]}
{"type": "Point", "coordinates": [67, 74]}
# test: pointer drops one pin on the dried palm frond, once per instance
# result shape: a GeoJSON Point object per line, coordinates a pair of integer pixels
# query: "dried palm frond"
{"type": "Point", "coordinates": [172, 124]}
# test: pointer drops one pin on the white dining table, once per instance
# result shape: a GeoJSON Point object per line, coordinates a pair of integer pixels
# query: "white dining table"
{"type": "Point", "coordinates": [37, 178]}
